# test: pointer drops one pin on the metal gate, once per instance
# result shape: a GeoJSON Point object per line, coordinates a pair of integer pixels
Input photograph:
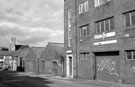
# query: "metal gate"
{"type": "Point", "coordinates": [108, 66]}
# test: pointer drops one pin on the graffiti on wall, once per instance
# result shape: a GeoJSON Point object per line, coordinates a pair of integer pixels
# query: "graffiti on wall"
{"type": "Point", "coordinates": [132, 69]}
{"type": "Point", "coordinates": [108, 64]}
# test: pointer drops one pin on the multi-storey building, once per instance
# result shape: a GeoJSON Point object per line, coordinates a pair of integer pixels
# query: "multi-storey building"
{"type": "Point", "coordinates": [100, 39]}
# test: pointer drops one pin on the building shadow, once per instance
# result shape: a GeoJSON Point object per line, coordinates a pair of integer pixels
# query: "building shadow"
{"type": "Point", "coordinates": [12, 79]}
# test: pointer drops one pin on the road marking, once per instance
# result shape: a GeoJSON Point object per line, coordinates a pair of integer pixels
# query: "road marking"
{"type": "Point", "coordinates": [12, 80]}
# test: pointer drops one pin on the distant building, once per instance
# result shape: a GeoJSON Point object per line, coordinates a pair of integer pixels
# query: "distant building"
{"type": "Point", "coordinates": [52, 59]}
{"type": "Point", "coordinates": [9, 58]}
{"type": "Point", "coordinates": [15, 47]}
{"type": "Point", "coordinates": [21, 63]}
{"type": "Point", "coordinates": [32, 59]}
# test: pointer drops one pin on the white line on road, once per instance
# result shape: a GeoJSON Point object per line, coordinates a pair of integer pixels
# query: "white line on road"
{"type": "Point", "coordinates": [12, 80]}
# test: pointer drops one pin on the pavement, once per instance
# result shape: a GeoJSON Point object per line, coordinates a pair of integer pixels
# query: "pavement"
{"type": "Point", "coordinates": [83, 82]}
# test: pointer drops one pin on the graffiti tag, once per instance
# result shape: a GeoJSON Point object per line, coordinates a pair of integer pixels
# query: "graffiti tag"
{"type": "Point", "coordinates": [132, 69]}
{"type": "Point", "coordinates": [107, 64]}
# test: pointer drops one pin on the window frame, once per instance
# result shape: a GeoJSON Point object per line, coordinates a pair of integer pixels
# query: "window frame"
{"type": "Point", "coordinates": [130, 18]}
{"type": "Point", "coordinates": [132, 54]}
{"type": "Point", "coordinates": [84, 55]}
{"type": "Point", "coordinates": [132, 14]}
{"type": "Point", "coordinates": [98, 23]}
{"type": "Point", "coordinates": [83, 7]}
{"type": "Point", "coordinates": [86, 5]}
{"type": "Point", "coordinates": [84, 29]}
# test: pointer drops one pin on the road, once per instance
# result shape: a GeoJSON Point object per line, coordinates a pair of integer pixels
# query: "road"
{"type": "Point", "coordinates": [13, 79]}
{"type": "Point", "coordinates": [10, 79]}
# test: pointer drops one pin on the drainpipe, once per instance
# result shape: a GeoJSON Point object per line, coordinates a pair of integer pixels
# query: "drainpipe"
{"type": "Point", "coordinates": [38, 65]}
{"type": "Point", "coordinates": [76, 36]}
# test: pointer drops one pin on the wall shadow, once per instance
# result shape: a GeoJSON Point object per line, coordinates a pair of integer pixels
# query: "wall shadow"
{"type": "Point", "coordinates": [12, 79]}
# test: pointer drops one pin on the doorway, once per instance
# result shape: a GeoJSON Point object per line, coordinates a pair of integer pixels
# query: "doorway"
{"type": "Point", "coordinates": [70, 66]}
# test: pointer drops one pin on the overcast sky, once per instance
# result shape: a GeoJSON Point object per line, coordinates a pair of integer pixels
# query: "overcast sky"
{"type": "Point", "coordinates": [33, 22]}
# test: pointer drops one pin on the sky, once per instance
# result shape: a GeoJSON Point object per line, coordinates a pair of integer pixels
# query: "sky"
{"type": "Point", "coordinates": [32, 22]}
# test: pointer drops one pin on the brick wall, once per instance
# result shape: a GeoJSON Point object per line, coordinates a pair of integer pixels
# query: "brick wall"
{"type": "Point", "coordinates": [114, 8]}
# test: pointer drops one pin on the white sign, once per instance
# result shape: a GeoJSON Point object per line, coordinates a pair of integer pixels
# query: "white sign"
{"type": "Point", "coordinates": [104, 35]}
{"type": "Point", "coordinates": [105, 42]}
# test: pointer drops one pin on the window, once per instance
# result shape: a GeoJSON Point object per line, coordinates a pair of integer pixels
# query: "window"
{"type": "Point", "coordinates": [86, 6]}
{"type": "Point", "coordinates": [105, 25]}
{"type": "Point", "coordinates": [129, 18]}
{"type": "Point", "coordinates": [100, 2]}
{"type": "Point", "coordinates": [102, 26]}
{"type": "Point", "coordinates": [83, 7]}
{"type": "Point", "coordinates": [130, 55]}
{"type": "Point", "coordinates": [84, 55]}
{"type": "Point", "coordinates": [80, 8]}
{"type": "Point", "coordinates": [111, 23]}
{"type": "Point", "coordinates": [84, 31]}
{"type": "Point", "coordinates": [69, 27]}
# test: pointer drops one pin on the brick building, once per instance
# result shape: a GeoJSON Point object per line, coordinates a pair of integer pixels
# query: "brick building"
{"type": "Point", "coordinates": [8, 60]}
{"type": "Point", "coordinates": [21, 59]}
{"type": "Point", "coordinates": [52, 59]}
{"type": "Point", "coordinates": [99, 37]}
{"type": "Point", "coordinates": [32, 59]}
